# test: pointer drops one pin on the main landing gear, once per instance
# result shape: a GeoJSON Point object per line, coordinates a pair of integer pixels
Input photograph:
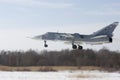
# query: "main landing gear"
{"type": "Point", "coordinates": [73, 45]}
{"type": "Point", "coordinates": [45, 44]}
{"type": "Point", "coordinates": [77, 47]}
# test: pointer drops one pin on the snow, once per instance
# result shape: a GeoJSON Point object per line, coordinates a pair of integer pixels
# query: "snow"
{"type": "Point", "coordinates": [60, 75]}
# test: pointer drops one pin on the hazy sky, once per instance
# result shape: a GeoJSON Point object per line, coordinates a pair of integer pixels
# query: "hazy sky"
{"type": "Point", "coordinates": [22, 18]}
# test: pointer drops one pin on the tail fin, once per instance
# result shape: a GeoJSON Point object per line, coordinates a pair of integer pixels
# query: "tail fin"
{"type": "Point", "coordinates": [108, 30]}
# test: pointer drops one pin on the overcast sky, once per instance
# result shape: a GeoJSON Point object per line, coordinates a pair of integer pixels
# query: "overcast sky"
{"type": "Point", "coordinates": [26, 18]}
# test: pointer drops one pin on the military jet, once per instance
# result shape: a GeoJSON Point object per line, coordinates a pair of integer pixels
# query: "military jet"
{"type": "Point", "coordinates": [101, 36]}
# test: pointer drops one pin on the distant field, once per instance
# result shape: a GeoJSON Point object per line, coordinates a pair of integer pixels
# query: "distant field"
{"type": "Point", "coordinates": [48, 68]}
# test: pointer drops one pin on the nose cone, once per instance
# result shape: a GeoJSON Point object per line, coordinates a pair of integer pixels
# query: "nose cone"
{"type": "Point", "coordinates": [38, 37]}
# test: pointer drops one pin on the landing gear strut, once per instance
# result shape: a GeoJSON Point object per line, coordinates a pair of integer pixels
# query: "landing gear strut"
{"type": "Point", "coordinates": [45, 44]}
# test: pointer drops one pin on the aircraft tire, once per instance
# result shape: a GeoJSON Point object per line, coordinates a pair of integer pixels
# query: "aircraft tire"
{"type": "Point", "coordinates": [45, 45]}
{"type": "Point", "coordinates": [80, 47]}
{"type": "Point", "coordinates": [74, 46]}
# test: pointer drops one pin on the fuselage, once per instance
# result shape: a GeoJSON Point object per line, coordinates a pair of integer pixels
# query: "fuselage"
{"type": "Point", "coordinates": [76, 37]}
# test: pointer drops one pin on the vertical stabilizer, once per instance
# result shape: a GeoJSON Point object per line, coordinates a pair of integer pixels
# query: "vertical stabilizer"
{"type": "Point", "coordinates": [108, 30]}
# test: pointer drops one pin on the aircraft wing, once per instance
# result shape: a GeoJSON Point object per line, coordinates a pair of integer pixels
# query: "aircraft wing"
{"type": "Point", "coordinates": [76, 42]}
{"type": "Point", "coordinates": [66, 37]}
{"type": "Point", "coordinates": [95, 43]}
{"type": "Point", "coordinates": [97, 40]}
{"type": "Point", "coordinates": [101, 36]}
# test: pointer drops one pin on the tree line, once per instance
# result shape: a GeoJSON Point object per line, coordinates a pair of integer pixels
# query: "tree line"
{"type": "Point", "coordinates": [88, 57]}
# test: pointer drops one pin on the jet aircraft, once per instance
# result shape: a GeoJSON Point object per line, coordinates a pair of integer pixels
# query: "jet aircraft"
{"type": "Point", "coordinates": [101, 36]}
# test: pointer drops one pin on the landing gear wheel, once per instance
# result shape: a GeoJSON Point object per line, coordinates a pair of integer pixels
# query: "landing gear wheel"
{"type": "Point", "coordinates": [45, 44]}
{"type": "Point", "coordinates": [80, 47]}
{"type": "Point", "coordinates": [74, 46]}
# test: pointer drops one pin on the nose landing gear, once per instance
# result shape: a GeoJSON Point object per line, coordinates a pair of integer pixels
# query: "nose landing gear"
{"type": "Point", "coordinates": [45, 44]}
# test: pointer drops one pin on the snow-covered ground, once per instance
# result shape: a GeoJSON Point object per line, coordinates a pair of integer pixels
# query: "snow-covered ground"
{"type": "Point", "coordinates": [60, 75]}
